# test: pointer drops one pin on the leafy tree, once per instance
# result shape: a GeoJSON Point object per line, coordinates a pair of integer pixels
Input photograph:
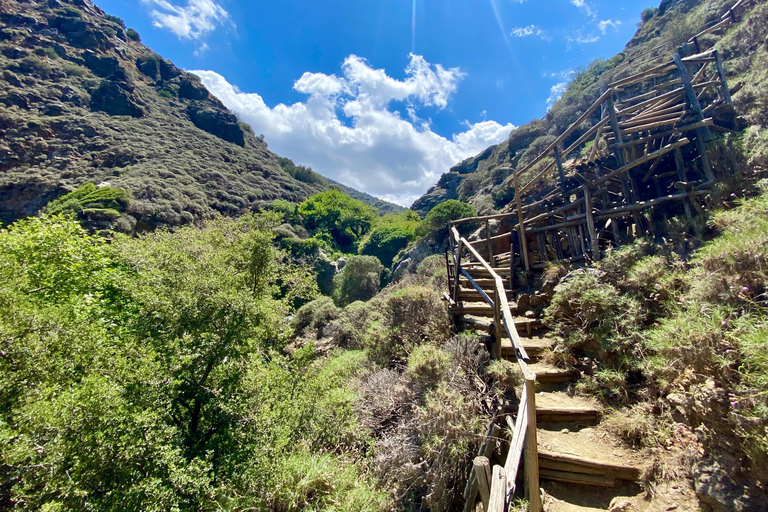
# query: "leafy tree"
{"type": "Point", "coordinates": [435, 225]}
{"type": "Point", "coordinates": [391, 234]}
{"type": "Point", "coordinates": [359, 280]}
{"type": "Point", "coordinates": [347, 220]}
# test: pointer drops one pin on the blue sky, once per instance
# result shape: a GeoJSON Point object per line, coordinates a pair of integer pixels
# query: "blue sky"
{"type": "Point", "coordinates": [383, 95]}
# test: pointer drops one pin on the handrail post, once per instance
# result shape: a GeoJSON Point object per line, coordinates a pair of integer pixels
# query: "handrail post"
{"type": "Point", "coordinates": [591, 224]}
{"type": "Point", "coordinates": [497, 327]}
{"type": "Point", "coordinates": [721, 72]}
{"type": "Point", "coordinates": [559, 162]}
{"type": "Point", "coordinates": [521, 223]}
{"type": "Point", "coordinates": [483, 473]}
{"type": "Point", "coordinates": [531, 449]}
{"type": "Point", "coordinates": [498, 499]}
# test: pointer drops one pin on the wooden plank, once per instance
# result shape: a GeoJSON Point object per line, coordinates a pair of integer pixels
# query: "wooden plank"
{"type": "Point", "coordinates": [642, 160]}
{"type": "Point", "coordinates": [521, 222]}
{"type": "Point", "coordinates": [477, 287]}
{"type": "Point", "coordinates": [586, 115]}
{"type": "Point", "coordinates": [559, 163]}
{"type": "Point", "coordinates": [660, 70]}
{"type": "Point", "coordinates": [482, 468]}
{"type": "Point", "coordinates": [594, 242]}
{"type": "Point", "coordinates": [577, 478]}
{"type": "Point", "coordinates": [620, 471]}
{"type": "Point", "coordinates": [512, 464]}
{"type": "Point", "coordinates": [721, 73]}
{"type": "Point", "coordinates": [643, 104]}
{"type": "Point", "coordinates": [497, 501]}
{"type": "Point", "coordinates": [532, 451]}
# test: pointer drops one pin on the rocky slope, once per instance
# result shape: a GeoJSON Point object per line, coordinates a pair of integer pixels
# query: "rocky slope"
{"type": "Point", "coordinates": [82, 100]}
{"type": "Point", "coordinates": [478, 180]}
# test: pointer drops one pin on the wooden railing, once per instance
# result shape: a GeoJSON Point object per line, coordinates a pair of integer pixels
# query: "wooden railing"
{"type": "Point", "coordinates": [497, 487]}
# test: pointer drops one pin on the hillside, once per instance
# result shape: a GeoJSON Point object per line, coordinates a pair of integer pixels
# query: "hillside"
{"type": "Point", "coordinates": [478, 180]}
{"type": "Point", "coordinates": [84, 101]}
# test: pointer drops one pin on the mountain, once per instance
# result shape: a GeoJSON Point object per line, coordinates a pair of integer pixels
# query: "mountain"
{"type": "Point", "coordinates": [83, 101]}
{"type": "Point", "coordinates": [478, 180]}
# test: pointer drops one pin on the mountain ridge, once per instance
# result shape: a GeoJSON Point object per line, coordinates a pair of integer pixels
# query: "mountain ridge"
{"type": "Point", "coordinates": [84, 101]}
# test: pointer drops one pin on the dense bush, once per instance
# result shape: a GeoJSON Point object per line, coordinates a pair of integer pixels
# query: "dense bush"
{"type": "Point", "coordinates": [360, 279]}
{"type": "Point", "coordinates": [133, 35]}
{"type": "Point", "coordinates": [435, 224]}
{"type": "Point", "coordinates": [89, 197]}
{"type": "Point", "coordinates": [301, 173]}
{"type": "Point", "coordinates": [345, 219]}
{"type": "Point", "coordinates": [315, 315]}
{"type": "Point", "coordinates": [390, 235]}
{"type": "Point", "coordinates": [143, 375]}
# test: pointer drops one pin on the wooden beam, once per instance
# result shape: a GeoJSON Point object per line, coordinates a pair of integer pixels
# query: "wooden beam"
{"type": "Point", "coordinates": [642, 160]}
{"type": "Point", "coordinates": [521, 223]}
{"type": "Point", "coordinates": [482, 468]}
{"type": "Point", "coordinates": [594, 242]}
{"type": "Point", "coordinates": [532, 450]}
{"type": "Point", "coordinates": [721, 72]}
{"type": "Point", "coordinates": [497, 501]}
{"type": "Point", "coordinates": [559, 164]}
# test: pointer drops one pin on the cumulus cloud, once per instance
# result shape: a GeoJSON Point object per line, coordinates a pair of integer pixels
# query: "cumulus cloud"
{"type": "Point", "coordinates": [191, 21]}
{"type": "Point", "coordinates": [348, 130]}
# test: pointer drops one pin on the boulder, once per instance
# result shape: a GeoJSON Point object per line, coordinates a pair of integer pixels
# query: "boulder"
{"type": "Point", "coordinates": [14, 52]}
{"type": "Point", "coordinates": [220, 123]}
{"type": "Point", "coordinates": [101, 66]}
{"type": "Point", "coordinates": [411, 260]}
{"type": "Point", "coordinates": [192, 90]}
{"type": "Point", "coordinates": [716, 487]}
{"type": "Point", "coordinates": [114, 99]}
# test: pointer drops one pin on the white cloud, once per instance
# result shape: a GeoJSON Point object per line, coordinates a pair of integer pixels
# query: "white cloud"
{"type": "Point", "coordinates": [582, 39]}
{"type": "Point", "coordinates": [555, 92]}
{"type": "Point", "coordinates": [530, 30]}
{"type": "Point", "coordinates": [582, 4]}
{"type": "Point", "coordinates": [192, 21]}
{"type": "Point", "coordinates": [201, 50]}
{"type": "Point", "coordinates": [347, 130]}
{"type": "Point", "coordinates": [604, 24]}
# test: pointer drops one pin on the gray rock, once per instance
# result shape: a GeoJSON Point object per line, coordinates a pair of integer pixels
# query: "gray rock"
{"type": "Point", "coordinates": [220, 123]}
{"type": "Point", "coordinates": [715, 485]}
{"type": "Point", "coordinates": [101, 66]}
{"type": "Point", "coordinates": [620, 504]}
{"type": "Point", "coordinates": [115, 99]}
{"type": "Point", "coordinates": [411, 260]}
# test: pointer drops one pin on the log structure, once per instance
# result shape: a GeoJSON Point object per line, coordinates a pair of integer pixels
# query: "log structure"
{"type": "Point", "coordinates": [630, 162]}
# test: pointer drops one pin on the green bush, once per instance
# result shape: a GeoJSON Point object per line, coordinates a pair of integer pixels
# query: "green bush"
{"type": "Point", "coordinates": [133, 35]}
{"type": "Point", "coordinates": [435, 225]}
{"type": "Point", "coordinates": [315, 315]}
{"type": "Point", "coordinates": [299, 172]}
{"type": "Point", "coordinates": [410, 317]}
{"type": "Point", "coordinates": [345, 219]}
{"type": "Point", "coordinates": [90, 199]}
{"type": "Point", "coordinates": [428, 365]}
{"type": "Point", "coordinates": [648, 14]}
{"type": "Point", "coordinates": [360, 279]}
{"type": "Point", "coordinates": [115, 19]}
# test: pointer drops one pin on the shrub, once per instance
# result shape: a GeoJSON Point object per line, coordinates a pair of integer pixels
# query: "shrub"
{"type": "Point", "coordinates": [648, 14]}
{"type": "Point", "coordinates": [597, 319]}
{"type": "Point", "coordinates": [315, 315]}
{"type": "Point", "coordinates": [89, 198]}
{"type": "Point", "coordinates": [428, 365]}
{"type": "Point", "coordinates": [360, 279]}
{"type": "Point", "coordinates": [385, 242]}
{"type": "Point", "coordinates": [32, 65]}
{"type": "Point", "coordinates": [115, 19]}
{"type": "Point", "coordinates": [435, 225]}
{"type": "Point", "coordinates": [299, 172]}
{"type": "Point", "coordinates": [133, 35]}
{"type": "Point", "coordinates": [347, 220]}
{"type": "Point", "coordinates": [411, 316]}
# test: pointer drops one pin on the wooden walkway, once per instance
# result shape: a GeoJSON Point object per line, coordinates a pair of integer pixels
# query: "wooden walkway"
{"type": "Point", "coordinates": [642, 161]}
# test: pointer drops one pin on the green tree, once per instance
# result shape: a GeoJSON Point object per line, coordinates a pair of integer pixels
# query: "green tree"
{"type": "Point", "coordinates": [360, 279]}
{"type": "Point", "coordinates": [435, 225]}
{"type": "Point", "coordinates": [390, 235]}
{"type": "Point", "coordinates": [347, 220]}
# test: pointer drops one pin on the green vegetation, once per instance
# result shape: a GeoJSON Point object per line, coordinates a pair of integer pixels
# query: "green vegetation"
{"type": "Point", "coordinates": [390, 235]}
{"type": "Point", "coordinates": [345, 219]}
{"type": "Point", "coordinates": [657, 321]}
{"type": "Point", "coordinates": [90, 199]}
{"type": "Point", "coordinates": [360, 279]}
{"type": "Point", "coordinates": [434, 226]}
{"type": "Point", "coordinates": [133, 35]}
{"type": "Point", "coordinates": [299, 172]}
{"type": "Point", "coordinates": [146, 375]}
{"type": "Point", "coordinates": [115, 19]}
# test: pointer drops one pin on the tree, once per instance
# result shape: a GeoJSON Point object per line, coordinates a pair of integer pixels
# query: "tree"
{"type": "Point", "coordinates": [435, 225]}
{"type": "Point", "coordinates": [347, 220]}
{"type": "Point", "coordinates": [390, 235]}
{"type": "Point", "coordinates": [359, 280]}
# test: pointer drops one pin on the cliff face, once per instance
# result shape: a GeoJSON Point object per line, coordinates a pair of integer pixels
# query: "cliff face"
{"type": "Point", "coordinates": [478, 180]}
{"type": "Point", "coordinates": [82, 100]}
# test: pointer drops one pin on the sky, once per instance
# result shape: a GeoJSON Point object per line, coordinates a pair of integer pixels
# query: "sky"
{"type": "Point", "coordinates": [385, 95]}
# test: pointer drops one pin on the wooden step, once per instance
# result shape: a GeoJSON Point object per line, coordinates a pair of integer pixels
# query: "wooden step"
{"type": "Point", "coordinates": [557, 375]}
{"type": "Point", "coordinates": [567, 415]}
{"type": "Point", "coordinates": [481, 272]}
{"type": "Point", "coordinates": [576, 478]}
{"type": "Point", "coordinates": [521, 324]}
{"type": "Point", "coordinates": [582, 466]}
{"type": "Point", "coordinates": [472, 295]}
{"type": "Point", "coordinates": [534, 348]}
